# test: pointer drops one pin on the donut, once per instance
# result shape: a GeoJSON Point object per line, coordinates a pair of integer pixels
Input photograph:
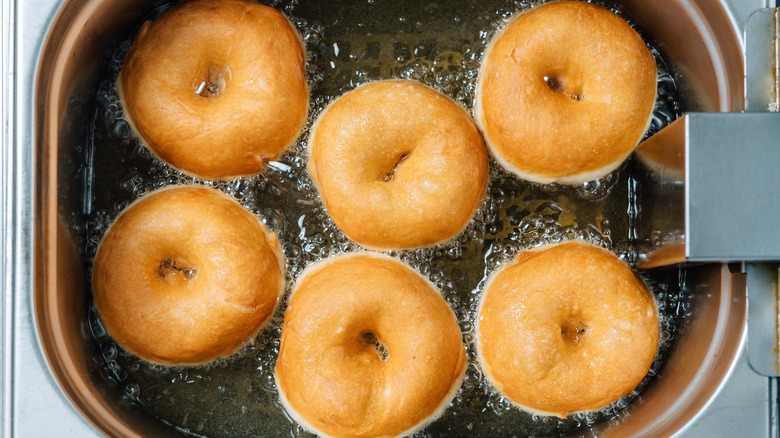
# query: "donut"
{"type": "Point", "coordinates": [186, 275]}
{"type": "Point", "coordinates": [565, 92]}
{"type": "Point", "coordinates": [398, 165]}
{"type": "Point", "coordinates": [566, 328]}
{"type": "Point", "coordinates": [216, 88]}
{"type": "Point", "coordinates": [369, 348]}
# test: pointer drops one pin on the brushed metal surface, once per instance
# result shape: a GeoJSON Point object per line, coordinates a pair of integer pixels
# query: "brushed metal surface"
{"type": "Point", "coordinates": [762, 50]}
{"type": "Point", "coordinates": [762, 283]}
{"type": "Point", "coordinates": [7, 32]}
{"type": "Point", "coordinates": [710, 189]}
{"type": "Point", "coordinates": [732, 183]}
{"type": "Point", "coordinates": [33, 405]}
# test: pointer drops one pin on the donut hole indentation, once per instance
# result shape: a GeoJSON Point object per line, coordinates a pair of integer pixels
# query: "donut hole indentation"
{"type": "Point", "coordinates": [370, 339]}
{"type": "Point", "coordinates": [556, 83]}
{"type": "Point", "coordinates": [574, 331]}
{"type": "Point", "coordinates": [212, 81]}
{"type": "Point", "coordinates": [390, 175]}
{"type": "Point", "coordinates": [170, 266]}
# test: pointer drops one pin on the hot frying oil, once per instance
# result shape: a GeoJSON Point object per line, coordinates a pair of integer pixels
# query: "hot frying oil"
{"type": "Point", "coordinates": [436, 43]}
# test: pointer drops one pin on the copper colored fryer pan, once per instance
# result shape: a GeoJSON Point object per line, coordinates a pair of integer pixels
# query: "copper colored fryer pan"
{"type": "Point", "coordinates": [698, 36]}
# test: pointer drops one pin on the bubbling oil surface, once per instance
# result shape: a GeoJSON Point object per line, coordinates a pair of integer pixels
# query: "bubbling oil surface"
{"type": "Point", "coordinates": [439, 44]}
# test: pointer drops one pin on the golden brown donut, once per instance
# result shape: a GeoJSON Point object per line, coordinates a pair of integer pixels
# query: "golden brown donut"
{"type": "Point", "coordinates": [216, 87]}
{"type": "Point", "coordinates": [566, 328]}
{"type": "Point", "coordinates": [185, 275]}
{"type": "Point", "coordinates": [398, 165]}
{"type": "Point", "coordinates": [565, 93]}
{"type": "Point", "coordinates": [369, 348]}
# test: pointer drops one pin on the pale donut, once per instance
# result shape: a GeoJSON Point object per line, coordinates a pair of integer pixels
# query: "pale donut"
{"type": "Point", "coordinates": [332, 378]}
{"type": "Point", "coordinates": [185, 275]}
{"type": "Point", "coordinates": [248, 55]}
{"type": "Point", "coordinates": [565, 92]}
{"type": "Point", "coordinates": [566, 328]}
{"type": "Point", "coordinates": [398, 165]}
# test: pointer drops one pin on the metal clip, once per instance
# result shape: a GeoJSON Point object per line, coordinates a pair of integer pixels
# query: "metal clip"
{"type": "Point", "coordinates": [709, 190]}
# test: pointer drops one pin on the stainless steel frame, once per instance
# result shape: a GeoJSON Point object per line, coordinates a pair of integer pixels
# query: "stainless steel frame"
{"type": "Point", "coordinates": [26, 384]}
{"type": "Point", "coordinates": [31, 403]}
